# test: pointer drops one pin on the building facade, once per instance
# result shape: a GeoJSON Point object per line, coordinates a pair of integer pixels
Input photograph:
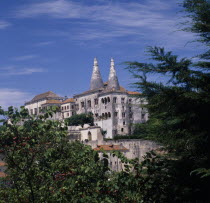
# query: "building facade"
{"type": "Point", "coordinates": [114, 108]}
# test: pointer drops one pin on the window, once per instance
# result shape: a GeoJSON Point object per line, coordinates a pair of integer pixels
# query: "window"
{"type": "Point", "coordinates": [106, 115]}
{"type": "Point", "coordinates": [130, 100]}
{"type": "Point", "coordinates": [35, 111]}
{"type": "Point", "coordinates": [131, 115]}
{"type": "Point", "coordinates": [65, 107]}
{"type": "Point", "coordinates": [122, 100]}
{"type": "Point", "coordinates": [108, 99]}
{"type": "Point", "coordinates": [122, 129]}
{"type": "Point", "coordinates": [109, 115]}
{"type": "Point", "coordinates": [96, 115]}
{"type": "Point", "coordinates": [72, 113]}
{"type": "Point", "coordinates": [123, 114]}
{"type": "Point", "coordinates": [123, 122]}
{"type": "Point", "coordinates": [62, 108]}
{"type": "Point", "coordinates": [72, 107]}
{"type": "Point", "coordinates": [67, 114]}
{"type": "Point", "coordinates": [40, 109]}
{"type": "Point", "coordinates": [89, 103]}
{"type": "Point", "coordinates": [31, 111]}
{"type": "Point", "coordinates": [115, 114]}
{"type": "Point", "coordinates": [82, 104]}
{"type": "Point", "coordinates": [123, 108]}
{"type": "Point", "coordinates": [89, 136]}
{"type": "Point", "coordinates": [96, 101]}
{"type": "Point", "coordinates": [68, 107]}
{"type": "Point", "coordinates": [115, 100]}
{"type": "Point", "coordinates": [142, 116]}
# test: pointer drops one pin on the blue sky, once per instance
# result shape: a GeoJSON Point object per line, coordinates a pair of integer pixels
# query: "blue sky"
{"type": "Point", "coordinates": [50, 44]}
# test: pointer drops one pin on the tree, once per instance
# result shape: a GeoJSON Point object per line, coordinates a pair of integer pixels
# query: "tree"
{"type": "Point", "coordinates": [179, 108]}
{"type": "Point", "coordinates": [80, 119]}
{"type": "Point", "coordinates": [44, 166]}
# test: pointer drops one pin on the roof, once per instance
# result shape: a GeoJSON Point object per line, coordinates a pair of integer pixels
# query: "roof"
{"type": "Point", "coordinates": [103, 90]}
{"type": "Point", "coordinates": [68, 101]}
{"type": "Point", "coordinates": [2, 163]}
{"type": "Point", "coordinates": [110, 148]}
{"type": "Point", "coordinates": [133, 93]}
{"type": "Point", "coordinates": [90, 91]}
{"type": "Point", "coordinates": [48, 94]}
{"type": "Point", "coordinates": [2, 174]}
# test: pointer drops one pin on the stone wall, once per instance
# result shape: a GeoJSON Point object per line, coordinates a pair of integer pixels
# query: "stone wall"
{"type": "Point", "coordinates": [137, 148]}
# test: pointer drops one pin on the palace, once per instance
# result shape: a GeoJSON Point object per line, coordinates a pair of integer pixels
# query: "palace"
{"type": "Point", "coordinates": [114, 108]}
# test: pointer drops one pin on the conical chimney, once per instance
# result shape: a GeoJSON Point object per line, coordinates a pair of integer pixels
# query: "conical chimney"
{"type": "Point", "coordinates": [96, 80]}
{"type": "Point", "coordinates": [113, 83]}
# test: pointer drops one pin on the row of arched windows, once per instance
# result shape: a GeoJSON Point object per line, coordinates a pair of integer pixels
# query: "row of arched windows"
{"type": "Point", "coordinates": [105, 100]}
{"type": "Point", "coordinates": [106, 115]}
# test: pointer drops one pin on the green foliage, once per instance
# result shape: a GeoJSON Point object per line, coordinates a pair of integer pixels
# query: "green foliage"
{"type": "Point", "coordinates": [44, 166]}
{"type": "Point", "coordinates": [199, 12]}
{"type": "Point", "coordinates": [80, 119]}
{"type": "Point", "coordinates": [203, 172]}
{"type": "Point", "coordinates": [179, 109]}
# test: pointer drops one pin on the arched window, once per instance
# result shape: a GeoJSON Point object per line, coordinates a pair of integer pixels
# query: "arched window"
{"type": "Point", "coordinates": [108, 99]}
{"type": "Point", "coordinates": [102, 100]}
{"type": "Point", "coordinates": [109, 114]}
{"type": "Point", "coordinates": [106, 115]}
{"type": "Point", "coordinates": [89, 136]}
{"type": "Point", "coordinates": [102, 115]}
{"type": "Point", "coordinates": [89, 103]}
{"type": "Point", "coordinates": [115, 100]}
{"type": "Point", "coordinates": [105, 100]}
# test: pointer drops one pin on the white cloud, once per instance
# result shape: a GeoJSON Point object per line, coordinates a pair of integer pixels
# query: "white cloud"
{"type": "Point", "coordinates": [25, 57]}
{"type": "Point", "coordinates": [4, 24]}
{"type": "Point", "coordinates": [13, 97]}
{"type": "Point", "coordinates": [56, 9]}
{"type": "Point", "coordinates": [151, 21]}
{"type": "Point", "coordinates": [120, 14]}
{"type": "Point", "coordinates": [13, 70]}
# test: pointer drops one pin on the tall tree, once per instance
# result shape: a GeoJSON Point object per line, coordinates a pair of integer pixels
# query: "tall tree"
{"type": "Point", "coordinates": [179, 107]}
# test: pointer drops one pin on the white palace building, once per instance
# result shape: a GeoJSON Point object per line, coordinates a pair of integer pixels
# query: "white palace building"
{"type": "Point", "coordinates": [114, 108]}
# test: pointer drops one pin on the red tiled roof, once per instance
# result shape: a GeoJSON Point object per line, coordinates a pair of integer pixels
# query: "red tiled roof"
{"type": "Point", "coordinates": [2, 174]}
{"type": "Point", "coordinates": [2, 163]}
{"type": "Point", "coordinates": [133, 93]}
{"type": "Point", "coordinates": [68, 101]}
{"type": "Point", "coordinates": [110, 148]}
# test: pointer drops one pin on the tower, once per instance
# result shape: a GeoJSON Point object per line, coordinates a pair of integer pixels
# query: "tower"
{"type": "Point", "coordinates": [96, 80]}
{"type": "Point", "coordinates": [113, 83]}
